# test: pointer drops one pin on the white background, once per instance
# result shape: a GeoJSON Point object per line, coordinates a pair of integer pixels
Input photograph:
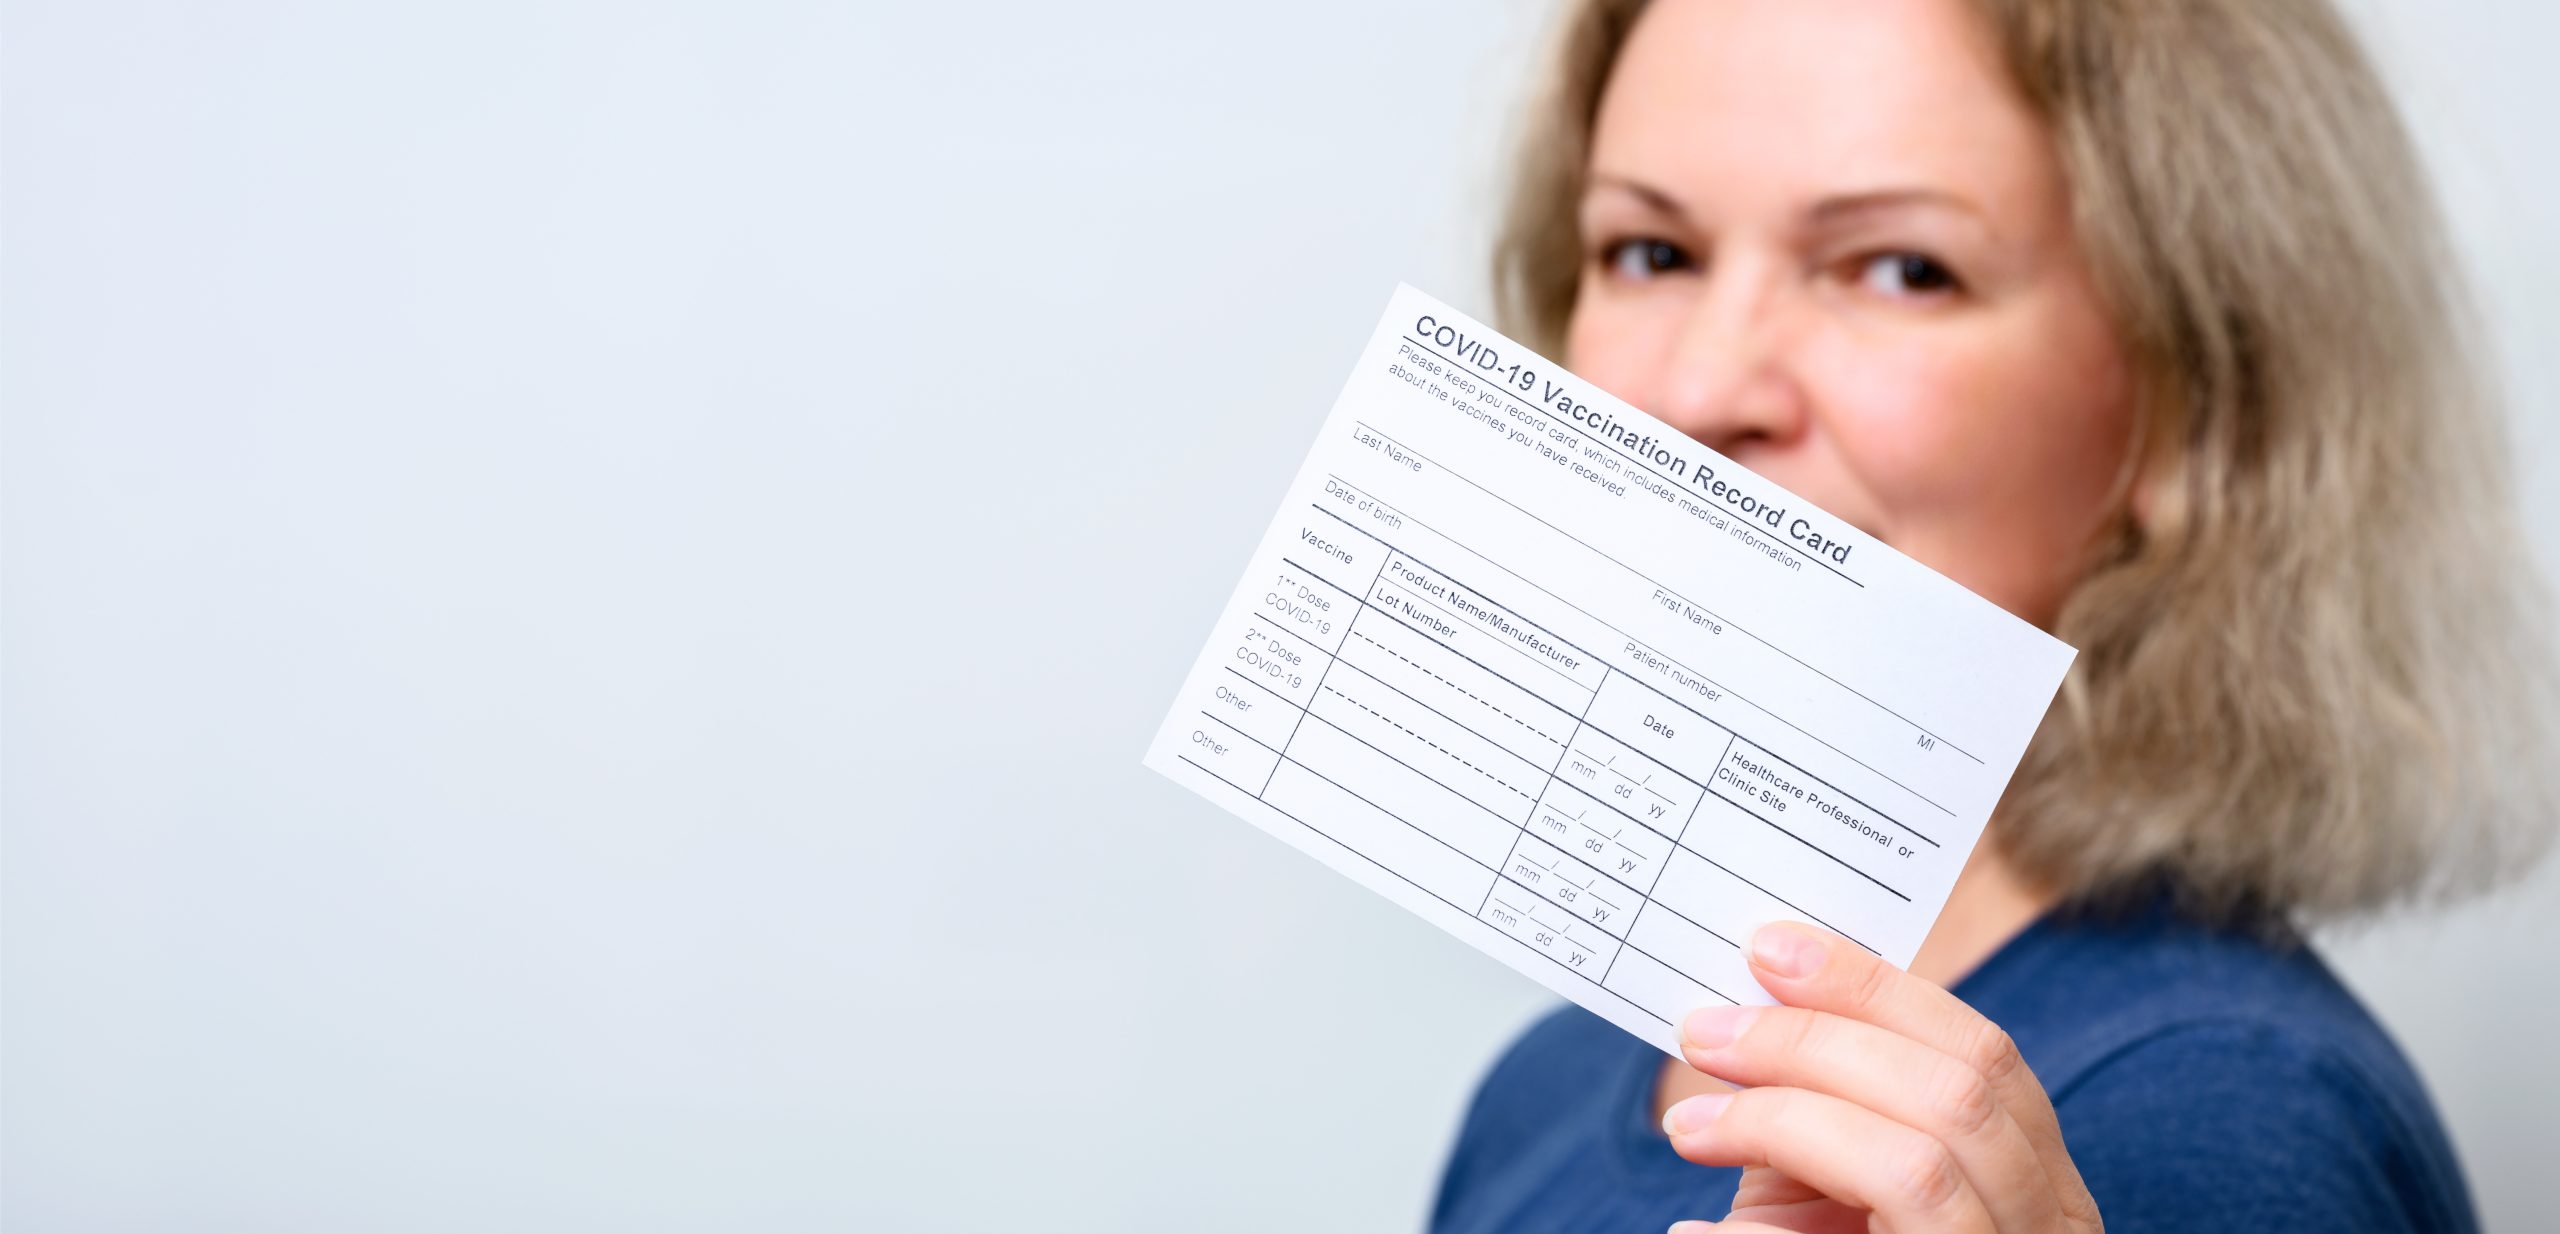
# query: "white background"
{"type": "Point", "coordinates": [584, 585]}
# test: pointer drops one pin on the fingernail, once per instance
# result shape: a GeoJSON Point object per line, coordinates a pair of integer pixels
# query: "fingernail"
{"type": "Point", "coordinates": [1713, 1028]}
{"type": "Point", "coordinates": [1788, 951]}
{"type": "Point", "coordinates": [1695, 1113]}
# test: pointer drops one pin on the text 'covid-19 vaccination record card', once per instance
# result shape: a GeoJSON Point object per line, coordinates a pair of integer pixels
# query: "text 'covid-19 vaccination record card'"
{"type": "Point", "coordinates": [1586, 694]}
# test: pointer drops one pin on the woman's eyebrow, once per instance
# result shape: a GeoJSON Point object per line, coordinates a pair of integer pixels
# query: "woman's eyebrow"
{"type": "Point", "coordinates": [1650, 195]}
{"type": "Point", "coordinates": [1877, 201]}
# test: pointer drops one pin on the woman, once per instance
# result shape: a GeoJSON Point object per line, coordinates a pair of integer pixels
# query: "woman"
{"type": "Point", "coordinates": [2132, 316]}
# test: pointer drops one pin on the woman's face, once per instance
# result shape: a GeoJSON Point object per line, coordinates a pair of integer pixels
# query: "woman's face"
{"type": "Point", "coordinates": [1826, 238]}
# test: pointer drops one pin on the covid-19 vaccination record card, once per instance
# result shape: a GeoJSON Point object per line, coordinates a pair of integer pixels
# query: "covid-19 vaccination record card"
{"type": "Point", "coordinates": [1588, 695]}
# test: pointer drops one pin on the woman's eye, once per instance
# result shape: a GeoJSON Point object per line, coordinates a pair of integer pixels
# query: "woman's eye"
{"type": "Point", "coordinates": [1643, 259]}
{"type": "Point", "coordinates": [1907, 274]}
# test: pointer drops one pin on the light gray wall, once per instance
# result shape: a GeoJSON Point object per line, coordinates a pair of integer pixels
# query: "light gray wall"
{"type": "Point", "coordinates": [2466, 991]}
{"type": "Point", "coordinates": [584, 584]}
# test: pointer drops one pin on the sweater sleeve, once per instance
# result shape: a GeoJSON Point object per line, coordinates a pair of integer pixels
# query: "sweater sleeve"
{"type": "Point", "coordinates": [2240, 1126]}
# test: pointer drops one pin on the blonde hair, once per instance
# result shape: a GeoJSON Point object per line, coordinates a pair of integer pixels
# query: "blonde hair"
{"type": "Point", "coordinates": [2315, 680]}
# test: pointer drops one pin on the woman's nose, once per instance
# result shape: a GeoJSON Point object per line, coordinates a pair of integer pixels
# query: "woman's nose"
{"type": "Point", "coordinates": [1727, 379]}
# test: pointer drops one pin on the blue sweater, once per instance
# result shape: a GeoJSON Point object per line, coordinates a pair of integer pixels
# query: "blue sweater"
{"type": "Point", "coordinates": [2206, 1080]}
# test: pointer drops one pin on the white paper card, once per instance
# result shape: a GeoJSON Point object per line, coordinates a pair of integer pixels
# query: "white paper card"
{"type": "Point", "coordinates": [1590, 696]}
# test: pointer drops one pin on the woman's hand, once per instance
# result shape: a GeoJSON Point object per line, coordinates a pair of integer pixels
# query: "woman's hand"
{"type": "Point", "coordinates": [1873, 1094]}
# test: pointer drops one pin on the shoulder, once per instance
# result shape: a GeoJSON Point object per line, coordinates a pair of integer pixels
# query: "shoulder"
{"type": "Point", "coordinates": [2247, 1124]}
{"type": "Point", "coordinates": [2224, 1079]}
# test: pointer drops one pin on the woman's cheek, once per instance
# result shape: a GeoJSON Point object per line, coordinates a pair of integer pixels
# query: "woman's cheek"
{"type": "Point", "coordinates": [1902, 431]}
{"type": "Point", "coordinates": [1615, 355]}
{"type": "Point", "coordinates": [1938, 465]}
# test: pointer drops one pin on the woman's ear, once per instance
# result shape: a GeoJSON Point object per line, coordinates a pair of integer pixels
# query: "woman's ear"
{"type": "Point", "coordinates": [2150, 483]}
{"type": "Point", "coordinates": [2142, 496]}
{"type": "Point", "coordinates": [2156, 501]}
